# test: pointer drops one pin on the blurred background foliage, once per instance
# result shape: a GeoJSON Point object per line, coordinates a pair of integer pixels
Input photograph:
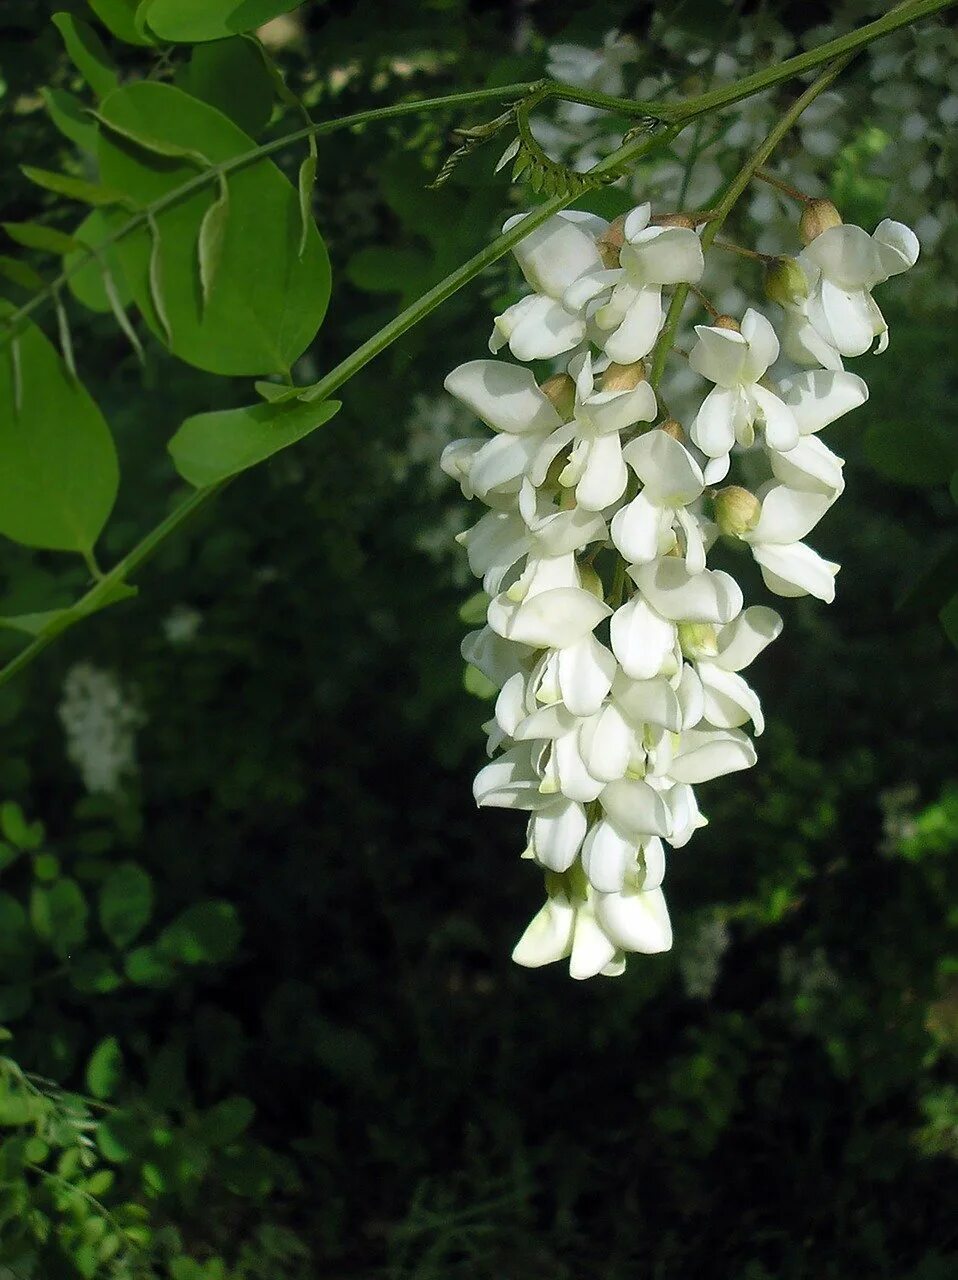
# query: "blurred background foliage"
{"type": "Point", "coordinates": [258, 1014]}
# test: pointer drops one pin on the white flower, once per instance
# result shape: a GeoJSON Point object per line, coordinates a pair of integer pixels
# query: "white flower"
{"type": "Point", "coordinates": [727, 701]}
{"type": "Point", "coordinates": [552, 257]}
{"type": "Point", "coordinates": [736, 363]}
{"type": "Point", "coordinates": [508, 400]}
{"type": "Point", "coordinates": [595, 468]}
{"type": "Point", "coordinates": [650, 258]}
{"type": "Point", "coordinates": [790, 568]}
{"type": "Point", "coordinates": [671, 479]}
{"type": "Point", "coordinates": [99, 720]}
{"type": "Point", "coordinates": [839, 317]}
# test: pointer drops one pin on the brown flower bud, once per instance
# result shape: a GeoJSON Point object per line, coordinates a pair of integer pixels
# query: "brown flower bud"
{"type": "Point", "coordinates": [817, 216]}
{"type": "Point", "coordinates": [736, 510]}
{"type": "Point", "coordinates": [727, 322]}
{"type": "Point", "coordinates": [623, 377]}
{"type": "Point", "coordinates": [674, 220]}
{"type": "Point", "coordinates": [611, 241]}
{"type": "Point", "coordinates": [559, 390]}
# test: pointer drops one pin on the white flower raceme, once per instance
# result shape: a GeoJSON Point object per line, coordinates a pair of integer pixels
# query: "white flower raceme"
{"type": "Point", "coordinates": [737, 362]}
{"type": "Point", "coordinates": [616, 650]}
{"type": "Point", "coordinates": [838, 316]}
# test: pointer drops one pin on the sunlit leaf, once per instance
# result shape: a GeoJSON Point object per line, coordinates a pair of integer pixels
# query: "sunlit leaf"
{"type": "Point", "coordinates": [105, 1068]}
{"type": "Point", "coordinates": [85, 281]}
{"type": "Point", "coordinates": [188, 22]}
{"type": "Point", "coordinates": [34, 235]}
{"type": "Point", "coordinates": [212, 446]}
{"type": "Point", "coordinates": [268, 303]}
{"type": "Point", "coordinates": [119, 16]}
{"type": "Point", "coordinates": [64, 184]}
{"type": "Point", "coordinates": [58, 467]}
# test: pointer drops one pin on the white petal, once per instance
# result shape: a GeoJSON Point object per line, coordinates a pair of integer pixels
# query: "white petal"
{"type": "Point", "coordinates": [897, 245]}
{"type": "Point", "coordinates": [819, 396]}
{"type": "Point", "coordinates": [719, 355]}
{"type": "Point", "coordinates": [508, 782]}
{"type": "Point", "coordinates": [781, 429]}
{"type": "Point", "coordinates": [686, 818]}
{"type": "Point", "coordinates": [493, 545]}
{"type": "Point", "coordinates": [538, 328]}
{"type": "Point", "coordinates": [664, 255]}
{"type": "Point", "coordinates": [556, 834]}
{"type": "Point", "coordinates": [641, 640]}
{"type": "Point", "coordinates": [604, 476]}
{"type": "Point", "coordinates": [591, 949]}
{"type": "Point", "coordinates": [653, 861]}
{"type": "Point", "coordinates": [615, 410]}
{"type": "Point", "coordinates": [495, 657]}
{"type": "Point", "coordinates": [743, 640]}
{"type": "Point", "coordinates": [810, 465]}
{"type": "Point", "coordinates": [636, 220]}
{"type": "Point", "coordinates": [706, 754]}
{"type": "Point", "coordinates": [690, 696]}
{"type": "Point", "coordinates": [762, 345]}
{"type": "Point", "coordinates": [550, 620]}
{"type": "Point", "coordinates": [648, 702]}
{"type": "Point", "coordinates": [554, 254]}
{"type": "Point", "coordinates": [846, 256]}
{"type": "Point", "coordinates": [788, 515]}
{"type": "Point", "coordinates": [671, 476]}
{"type": "Point", "coordinates": [605, 742]}
{"type": "Point", "coordinates": [637, 529]}
{"type": "Point", "coordinates": [636, 921]}
{"type": "Point", "coordinates": [797, 571]}
{"type": "Point", "coordinates": [608, 855]}
{"type": "Point", "coordinates": [549, 936]}
{"type": "Point", "coordinates": [714, 427]}
{"type": "Point", "coordinates": [729, 701]}
{"type": "Point", "coordinates": [585, 672]}
{"type": "Point", "coordinates": [636, 334]}
{"type": "Point", "coordinates": [504, 396]}
{"type": "Point", "coordinates": [510, 704]}
{"type": "Point", "coordinates": [575, 781]}
{"type": "Point", "coordinates": [635, 807]}
{"type": "Point", "coordinates": [845, 318]}
{"type": "Point", "coordinates": [711, 596]}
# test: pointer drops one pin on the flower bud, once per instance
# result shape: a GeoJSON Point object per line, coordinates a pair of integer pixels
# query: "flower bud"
{"type": "Point", "coordinates": [611, 241]}
{"type": "Point", "coordinates": [623, 377]}
{"type": "Point", "coordinates": [785, 282]}
{"type": "Point", "coordinates": [818, 216]}
{"type": "Point", "coordinates": [726, 322]}
{"type": "Point", "coordinates": [672, 427]}
{"type": "Point", "coordinates": [698, 640]}
{"type": "Point", "coordinates": [559, 390]}
{"type": "Point", "coordinates": [736, 510]}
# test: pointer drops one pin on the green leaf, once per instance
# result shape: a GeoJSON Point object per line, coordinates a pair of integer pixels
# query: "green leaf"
{"type": "Point", "coordinates": [212, 238]}
{"type": "Point", "coordinates": [231, 76]}
{"type": "Point", "coordinates": [85, 50]}
{"type": "Point", "coordinates": [157, 296]}
{"type": "Point", "coordinates": [187, 22]}
{"type": "Point", "coordinates": [147, 967]}
{"type": "Point", "coordinates": [125, 903]}
{"type": "Point", "coordinates": [93, 974]}
{"type": "Point", "coordinates": [206, 933]}
{"type": "Point", "coordinates": [16, 829]}
{"type": "Point", "coordinates": [479, 685]}
{"type": "Point", "coordinates": [224, 1122]}
{"type": "Point", "coordinates": [20, 273]}
{"type": "Point", "coordinates": [64, 184]}
{"type": "Point", "coordinates": [267, 304]}
{"type": "Point", "coordinates": [59, 915]}
{"type": "Point", "coordinates": [119, 16]}
{"type": "Point", "coordinates": [105, 1068]}
{"type": "Point", "coordinates": [58, 467]}
{"type": "Point", "coordinates": [86, 282]}
{"type": "Point", "coordinates": [34, 235]}
{"type": "Point", "coordinates": [71, 117]}
{"type": "Point", "coordinates": [211, 446]}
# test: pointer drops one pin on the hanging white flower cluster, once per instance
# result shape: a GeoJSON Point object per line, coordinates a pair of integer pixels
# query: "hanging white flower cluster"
{"type": "Point", "coordinates": [616, 650]}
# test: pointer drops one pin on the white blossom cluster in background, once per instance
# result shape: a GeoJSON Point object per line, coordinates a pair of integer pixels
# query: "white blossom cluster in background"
{"type": "Point", "coordinates": [616, 650]}
{"type": "Point", "coordinates": [903, 93]}
{"type": "Point", "coordinates": [99, 720]}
